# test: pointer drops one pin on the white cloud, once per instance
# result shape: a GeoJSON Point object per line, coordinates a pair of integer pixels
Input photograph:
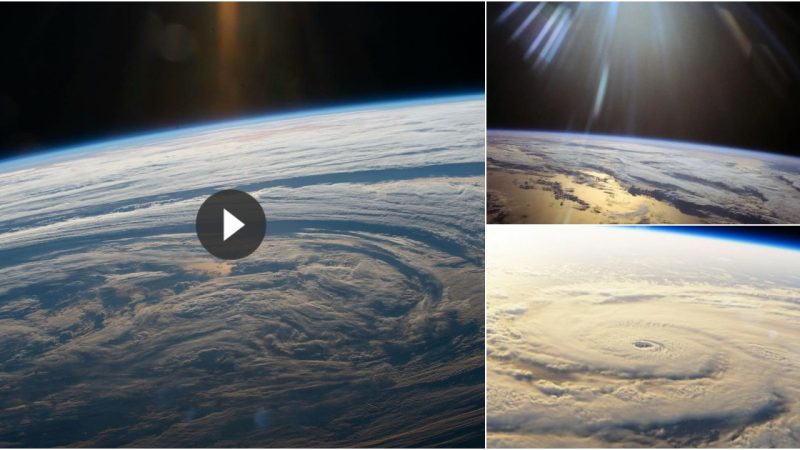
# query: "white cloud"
{"type": "Point", "coordinates": [641, 338]}
{"type": "Point", "coordinates": [116, 311]}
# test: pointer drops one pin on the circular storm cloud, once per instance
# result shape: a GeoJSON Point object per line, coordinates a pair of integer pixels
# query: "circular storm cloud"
{"type": "Point", "coordinates": [638, 338]}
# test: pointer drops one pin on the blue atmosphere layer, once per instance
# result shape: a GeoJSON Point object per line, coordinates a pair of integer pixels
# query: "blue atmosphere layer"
{"type": "Point", "coordinates": [787, 237]}
{"type": "Point", "coordinates": [32, 159]}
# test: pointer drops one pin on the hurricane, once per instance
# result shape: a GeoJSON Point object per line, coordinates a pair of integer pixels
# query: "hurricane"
{"type": "Point", "coordinates": [622, 337]}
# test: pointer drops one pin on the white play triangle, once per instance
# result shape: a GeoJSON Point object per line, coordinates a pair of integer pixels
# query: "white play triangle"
{"type": "Point", "coordinates": [230, 224]}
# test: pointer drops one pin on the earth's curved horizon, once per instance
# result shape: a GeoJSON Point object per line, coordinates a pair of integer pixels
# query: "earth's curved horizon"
{"type": "Point", "coordinates": [554, 177]}
{"type": "Point", "coordinates": [33, 156]}
{"type": "Point", "coordinates": [358, 322]}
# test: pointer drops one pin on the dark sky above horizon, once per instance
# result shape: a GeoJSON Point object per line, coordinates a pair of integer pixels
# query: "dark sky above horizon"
{"type": "Point", "coordinates": [719, 73]}
{"type": "Point", "coordinates": [79, 72]}
{"type": "Point", "coordinates": [779, 236]}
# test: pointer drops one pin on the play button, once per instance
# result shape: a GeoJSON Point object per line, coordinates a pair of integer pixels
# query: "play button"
{"type": "Point", "coordinates": [230, 224]}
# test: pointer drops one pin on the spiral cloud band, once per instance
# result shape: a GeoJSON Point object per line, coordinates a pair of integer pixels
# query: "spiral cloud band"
{"type": "Point", "coordinates": [357, 322]}
{"type": "Point", "coordinates": [627, 337]}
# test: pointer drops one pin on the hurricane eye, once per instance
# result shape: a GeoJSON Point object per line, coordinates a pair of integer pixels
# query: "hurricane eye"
{"type": "Point", "coordinates": [646, 345]}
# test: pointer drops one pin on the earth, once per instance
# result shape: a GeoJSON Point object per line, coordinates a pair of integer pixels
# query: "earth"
{"type": "Point", "coordinates": [541, 177]}
{"type": "Point", "coordinates": [633, 337]}
{"type": "Point", "coordinates": [358, 322]}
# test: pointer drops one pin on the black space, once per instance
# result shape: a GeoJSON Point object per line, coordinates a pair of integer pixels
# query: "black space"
{"type": "Point", "coordinates": [79, 72]}
{"type": "Point", "coordinates": [711, 92]}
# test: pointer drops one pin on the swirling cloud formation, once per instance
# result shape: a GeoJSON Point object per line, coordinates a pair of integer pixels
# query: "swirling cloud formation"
{"type": "Point", "coordinates": [357, 322]}
{"type": "Point", "coordinates": [623, 337]}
